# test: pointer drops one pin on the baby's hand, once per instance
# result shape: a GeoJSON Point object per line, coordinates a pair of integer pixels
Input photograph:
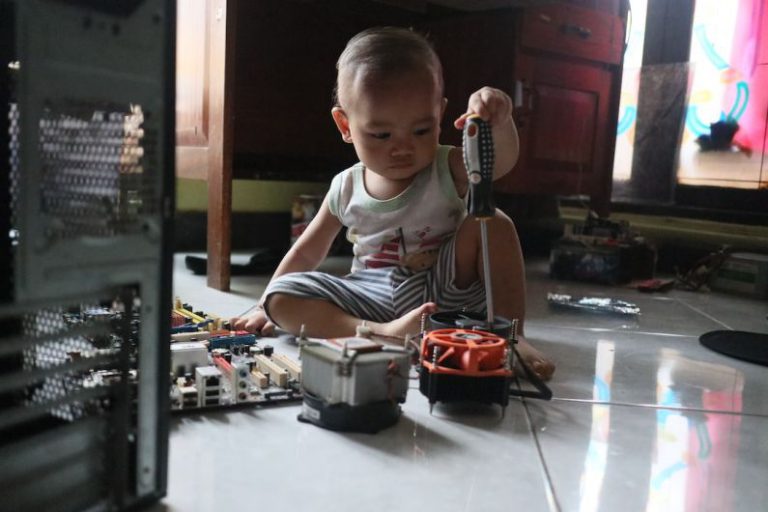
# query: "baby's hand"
{"type": "Point", "coordinates": [255, 321]}
{"type": "Point", "coordinates": [490, 104]}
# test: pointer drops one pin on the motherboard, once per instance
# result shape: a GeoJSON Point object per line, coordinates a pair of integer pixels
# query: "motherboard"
{"type": "Point", "coordinates": [212, 367]}
{"type": "Point", "coordinates": [215, 367]}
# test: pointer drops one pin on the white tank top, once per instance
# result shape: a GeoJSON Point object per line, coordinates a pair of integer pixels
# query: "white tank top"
{"type": "Point", "coordinates": [406, 230]}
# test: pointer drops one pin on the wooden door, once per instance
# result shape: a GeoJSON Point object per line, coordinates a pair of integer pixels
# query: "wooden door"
{"type": "Point", "coordinates": [204, 71]}
{"type": "Point", "coordinates": [563, 120]}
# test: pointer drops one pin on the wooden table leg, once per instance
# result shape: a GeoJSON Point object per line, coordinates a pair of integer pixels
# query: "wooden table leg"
{"type": "Point", "coordinates": [221, 144]}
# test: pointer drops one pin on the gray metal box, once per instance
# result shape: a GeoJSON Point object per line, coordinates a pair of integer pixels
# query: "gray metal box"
{"type": "Point", "coordinates": [365, 372]}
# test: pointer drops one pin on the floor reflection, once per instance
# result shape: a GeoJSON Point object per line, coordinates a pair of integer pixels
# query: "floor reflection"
{"type": "Point", "coordinates": [694, 460]}
{"type": "Point", "coordinates": [597, 453]}
{"type": "Point", "coordinates": [690, 455]}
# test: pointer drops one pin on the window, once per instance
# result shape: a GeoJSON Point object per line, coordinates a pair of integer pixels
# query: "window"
{"type": "Point", "coordinates": [694, 105]}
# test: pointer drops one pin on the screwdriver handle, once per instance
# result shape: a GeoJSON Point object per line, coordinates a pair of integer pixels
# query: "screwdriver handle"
{"type": "Point", "coordinates": [478, 159]}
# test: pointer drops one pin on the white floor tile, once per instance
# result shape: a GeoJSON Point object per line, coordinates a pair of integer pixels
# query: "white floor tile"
{"type": "Point", "coordinates": [602, 457]}
{"type": "Point", "coordinates": [615, 366]}
{"type": "Point", "coordinates": [457, 459]}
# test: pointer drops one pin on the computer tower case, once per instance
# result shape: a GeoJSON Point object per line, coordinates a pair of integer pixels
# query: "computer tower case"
{"type": "Point", "coordinates": [86, 211]}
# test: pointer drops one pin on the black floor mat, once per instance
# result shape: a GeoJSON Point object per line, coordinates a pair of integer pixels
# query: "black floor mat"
{"type": "Point", "coordinates": [263, 261]}
{"type": "Point", "coordinates": [748, 346]}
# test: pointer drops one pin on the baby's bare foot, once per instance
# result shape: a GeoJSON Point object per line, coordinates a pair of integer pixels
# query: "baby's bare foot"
{"type": "Point", "coordinates": [409, 323]}
{"type": "Point", "coordinates": [536, 361]}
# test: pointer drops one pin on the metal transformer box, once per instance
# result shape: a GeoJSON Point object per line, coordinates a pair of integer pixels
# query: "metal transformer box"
{"type": "Point", "coordinates": [365, 372]}
{"type": "Point", "coordinates": [353, 384]}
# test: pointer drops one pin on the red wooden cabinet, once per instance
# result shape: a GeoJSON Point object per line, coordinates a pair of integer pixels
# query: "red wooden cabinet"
{"type": "Point", "coordinates": [567, 80]}
{"type": "Point", "coordinates": [564, 121]}
{"type": "Point", "coordinates": [565, 29]}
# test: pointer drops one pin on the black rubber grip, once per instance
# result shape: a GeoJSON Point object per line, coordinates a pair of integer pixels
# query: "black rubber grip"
{"type": "Point", "coordinates": [478, 159]}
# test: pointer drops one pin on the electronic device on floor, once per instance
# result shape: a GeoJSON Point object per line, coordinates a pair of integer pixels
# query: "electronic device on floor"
{"type": "Point", "coordinates": [353, 383]}
{"type": "Point", "coordinates": [464, 358]}
{"type": "Point", "coordinates": [213, 367]}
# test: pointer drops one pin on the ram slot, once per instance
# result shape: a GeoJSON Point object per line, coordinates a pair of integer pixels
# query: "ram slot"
{"type": "Point", "coordinates": [276, 373]}
{"type": "Point", "coordinates": [260, 379]}
{"type": "Point", "coordinates": [293, 368]}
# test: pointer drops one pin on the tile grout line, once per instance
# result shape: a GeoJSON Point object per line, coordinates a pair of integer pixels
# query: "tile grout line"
{"type": "Point", "coordinates": [656, 406]}
{"type": "Point", "coordinates": [621, 331]}
{"type": "Point", "coordinates": [697, 310]}
{"type": "Point", "coordinates": [552, 501]}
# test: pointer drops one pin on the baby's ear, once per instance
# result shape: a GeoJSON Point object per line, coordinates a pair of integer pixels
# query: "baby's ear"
{"type": "Point", "coordinates": [342, 123]}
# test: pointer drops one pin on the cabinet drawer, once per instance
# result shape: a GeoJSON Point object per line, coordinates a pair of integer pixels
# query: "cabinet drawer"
{"type": "Point", "coordinates": [573, 31]}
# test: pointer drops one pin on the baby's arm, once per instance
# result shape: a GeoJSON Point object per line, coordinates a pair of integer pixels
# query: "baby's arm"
{"type": "Point", "coordinates": [306, 254]}
{"type": "Point", "coordinates": [494, 106]}
{"type": "Point", "coordinates": [313, 245]}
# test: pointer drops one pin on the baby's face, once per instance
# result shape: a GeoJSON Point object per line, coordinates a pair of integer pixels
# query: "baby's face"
{"type": "Point", "coordinates": [395, 123]}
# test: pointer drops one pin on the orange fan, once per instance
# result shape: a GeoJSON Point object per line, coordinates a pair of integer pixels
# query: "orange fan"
{"type": "Point", "coordinates": [465, 352]}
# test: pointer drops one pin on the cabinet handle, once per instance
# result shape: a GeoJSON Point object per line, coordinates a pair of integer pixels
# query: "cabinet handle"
{"type": "Point", "coordinates": [582, 32]}
{"type": "Point", "coordinates": [517, 99]}
{"type": "Point", "coordinates": [523, 101]}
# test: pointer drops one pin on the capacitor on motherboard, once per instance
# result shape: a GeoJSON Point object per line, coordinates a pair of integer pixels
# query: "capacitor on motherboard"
{"type": "Point", "coordinates": [268, 350]}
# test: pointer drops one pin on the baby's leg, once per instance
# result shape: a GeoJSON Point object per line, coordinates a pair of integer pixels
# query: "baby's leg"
{"type": "Point", "coordinates": [324, 319]}
{"type": "Point", "coordinates": [507, 277]}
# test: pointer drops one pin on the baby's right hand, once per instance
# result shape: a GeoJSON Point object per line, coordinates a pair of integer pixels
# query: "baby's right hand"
{"type": "Point", "coordinates": [255, 321]}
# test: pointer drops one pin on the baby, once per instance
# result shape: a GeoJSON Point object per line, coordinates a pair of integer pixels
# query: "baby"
{"type": "Point", "coordinates": [415, 249]}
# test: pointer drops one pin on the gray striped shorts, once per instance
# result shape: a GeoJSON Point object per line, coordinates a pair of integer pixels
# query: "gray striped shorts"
{"type": "Point", "coordinates": [384, 294]}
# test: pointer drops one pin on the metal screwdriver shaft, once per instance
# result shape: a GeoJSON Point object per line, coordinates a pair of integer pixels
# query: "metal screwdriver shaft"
{"type": "Point", "coordinates": [487, 273]}
{"type": "Point", "coordinates": [478, 159]}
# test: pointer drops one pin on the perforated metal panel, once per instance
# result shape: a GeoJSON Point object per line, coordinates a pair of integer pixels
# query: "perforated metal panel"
{"type": "Point", "coordinates": [13, 161]}
{"type": "Point", "coordinates": [86, 202]}
{"type": "Point", "coordinates": [93, 180]}
{"type": "Point", "coordinates": [91, 132]}
{"type": "Point", "coordinates": [73, 377]}
{"type": "Point", "coordinates": [11, 204]}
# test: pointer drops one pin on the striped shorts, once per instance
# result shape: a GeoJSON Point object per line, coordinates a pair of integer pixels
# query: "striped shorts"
{"type": "Point", "coordinates": [384, 294]}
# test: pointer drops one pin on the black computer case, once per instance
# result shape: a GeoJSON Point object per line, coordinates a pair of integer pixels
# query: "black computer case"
{"type": "Point", "coordinates": [86, 211]}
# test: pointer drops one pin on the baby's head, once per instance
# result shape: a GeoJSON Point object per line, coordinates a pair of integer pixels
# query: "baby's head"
{"type": "Point", "coordinates": [389, 99]}
{"type": "Point", "coordinates": [384, 53]}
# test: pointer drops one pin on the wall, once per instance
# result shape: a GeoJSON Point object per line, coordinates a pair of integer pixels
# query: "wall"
{"type": "Point", "coordinates": [260, 213]}
{"type": "Point", "coordinates": [247, 195]}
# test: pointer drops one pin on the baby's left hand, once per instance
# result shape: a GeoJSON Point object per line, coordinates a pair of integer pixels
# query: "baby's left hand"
{"type": "Point", "coordinates": [490, 104]}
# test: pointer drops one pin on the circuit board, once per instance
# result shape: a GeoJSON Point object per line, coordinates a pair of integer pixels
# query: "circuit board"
{"type": "Point", "coordinates": [213, 367]}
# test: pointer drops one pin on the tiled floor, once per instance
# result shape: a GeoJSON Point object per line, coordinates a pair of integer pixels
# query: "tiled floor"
{"type": "Point", "coordinates": [644, 418]}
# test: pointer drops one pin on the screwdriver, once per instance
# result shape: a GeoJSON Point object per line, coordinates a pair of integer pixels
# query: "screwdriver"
{"type": "Point", "coordinates": [478, 159]}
